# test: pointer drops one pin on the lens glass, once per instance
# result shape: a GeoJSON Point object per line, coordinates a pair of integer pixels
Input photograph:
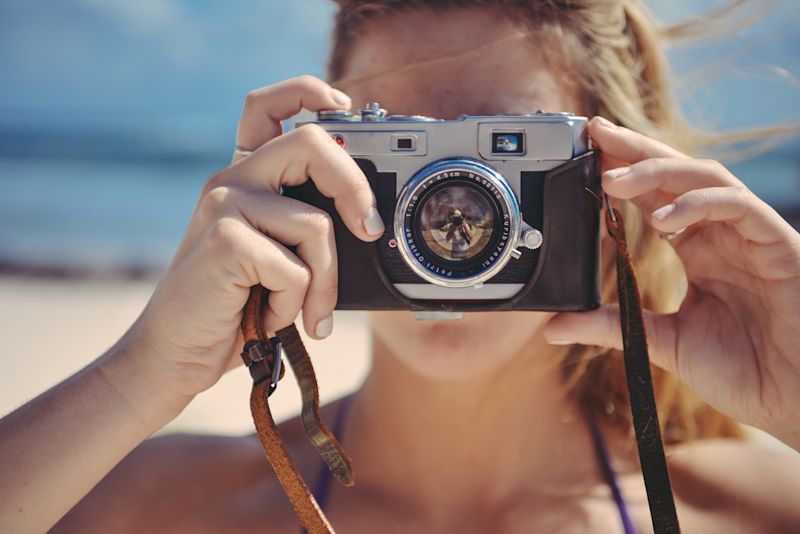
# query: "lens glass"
{"type": "Point", "coordinates": [456, 221]}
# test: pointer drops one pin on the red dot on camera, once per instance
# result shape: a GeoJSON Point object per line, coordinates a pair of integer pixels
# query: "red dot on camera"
{"type": "Point", "coordinates": [339, 140]}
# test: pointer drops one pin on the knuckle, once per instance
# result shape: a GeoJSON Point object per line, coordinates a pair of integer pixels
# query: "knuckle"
{"type": "Point", "coordinates": [715, 167]}
{"type": "Point", "coordinates": [312, 134]}
{"type": "Point", "coordinates": [698, 196]}
{"type": "Point", "coordinates": [301, 277]}
{"type": "Point", "coordinates": [225, 235]}
{"type": "Point", "coordinates": [216, 180]}
{"type": "Point", "coordinates": [651, 166]}
{"type": "Point", "coordinates": [713, 164]}
{"type": "Point", "coordinates": [217, 200]}
{"type": "Point", "coordinates": [251, 97]}
{"type": "Point", "coordinates": [329, 290]}
{"type": "Point", "coordinates": [360, 186]}
{"type": "Point", "coordinates": [320, 221]}
{"type": "Point", "coordinates": [308, 81]}
{"type": "Point", "coordinates": [744, 194]}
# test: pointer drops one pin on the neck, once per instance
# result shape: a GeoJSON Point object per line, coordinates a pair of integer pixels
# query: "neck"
{"type": "Point", "coordinates": [439, 446]}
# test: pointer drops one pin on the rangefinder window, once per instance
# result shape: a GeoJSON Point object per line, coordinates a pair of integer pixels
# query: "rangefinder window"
{"type": "Point", "coordinates": [403, 143]}
{"type": "Point", "coordinates": [508, 142]}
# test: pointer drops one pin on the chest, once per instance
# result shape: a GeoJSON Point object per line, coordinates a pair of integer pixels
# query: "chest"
{"type": "Point", "coordinates": [350, 513]}
{"type": "Point", "coordinates": [247, 508]}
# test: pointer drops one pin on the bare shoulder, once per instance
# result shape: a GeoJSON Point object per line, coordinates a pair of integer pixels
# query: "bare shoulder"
{"type": "Point", "coordinates": [188, 480]}
{"type": "Point", "coordinates": [748, 482]}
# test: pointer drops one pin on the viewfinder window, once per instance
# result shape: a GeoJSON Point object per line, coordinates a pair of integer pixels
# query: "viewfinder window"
{"type": "Point", "coordinates": [508, 143]}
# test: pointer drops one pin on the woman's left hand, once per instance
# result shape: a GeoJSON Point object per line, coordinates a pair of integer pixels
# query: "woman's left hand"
{"type": "Point", "coordinates": [736, 338]}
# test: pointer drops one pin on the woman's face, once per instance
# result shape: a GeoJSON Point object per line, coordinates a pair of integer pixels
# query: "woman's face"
{"type": "Point", "coordinates": [510, 77]}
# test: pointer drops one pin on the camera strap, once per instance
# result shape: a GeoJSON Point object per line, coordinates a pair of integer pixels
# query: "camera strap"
{"type": "Point", "coordinates": [262, 356]}
{"type": "Point", "coordinates": [640, 384]}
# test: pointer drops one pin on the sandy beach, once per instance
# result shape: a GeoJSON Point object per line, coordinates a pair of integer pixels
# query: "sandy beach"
{"type": "Point", "coordinates": [53, 327]}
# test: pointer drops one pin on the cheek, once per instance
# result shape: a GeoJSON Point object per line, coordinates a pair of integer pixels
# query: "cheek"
{"type": "Point", "coordinates": [457, 349]}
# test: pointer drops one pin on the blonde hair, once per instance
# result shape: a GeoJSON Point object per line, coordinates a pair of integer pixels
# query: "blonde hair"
{"type": "Point", "coordinates": [618, 49]}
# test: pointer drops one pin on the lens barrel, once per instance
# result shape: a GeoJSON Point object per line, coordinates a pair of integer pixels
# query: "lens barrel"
{"type": "Point", "coordinates": [457, 222]}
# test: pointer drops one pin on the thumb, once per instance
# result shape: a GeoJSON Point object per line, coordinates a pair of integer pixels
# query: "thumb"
{"type": "Point", "coordinates": [601, 327]}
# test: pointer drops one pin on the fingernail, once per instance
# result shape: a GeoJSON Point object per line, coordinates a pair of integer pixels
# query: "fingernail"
{"type": "Point", "coordinates": [613, 174]}
{"type": "Point", "coordinates": [661, 213]}
{"type": "Point", "coordinates": [324, 327]}
{"type": "Point", "coordinates": [339, 97]}
{"type": "Point", "coordinates": [561, 342]}
{"type": "Point", "coordinates": [373, 223]}
{"type": "Point", "coordinates": [607, 123]}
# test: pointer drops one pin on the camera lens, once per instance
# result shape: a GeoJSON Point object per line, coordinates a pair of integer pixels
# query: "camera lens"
{"type": "Point", "coordinates": [456, 222]}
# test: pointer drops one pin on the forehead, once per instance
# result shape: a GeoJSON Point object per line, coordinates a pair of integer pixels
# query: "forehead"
{"type": "Point", "coordinates": [480, 63]}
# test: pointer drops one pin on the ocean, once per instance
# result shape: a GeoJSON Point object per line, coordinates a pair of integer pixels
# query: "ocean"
{"type": "Point", "coordinates": [109, 204]}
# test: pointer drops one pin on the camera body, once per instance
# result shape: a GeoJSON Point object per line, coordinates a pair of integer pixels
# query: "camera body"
{"type": "Point", "coordinates": [482, 213]}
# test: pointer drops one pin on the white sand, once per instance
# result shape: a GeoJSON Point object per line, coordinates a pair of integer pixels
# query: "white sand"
{"type": "Point", "coordinates": [52, 328]}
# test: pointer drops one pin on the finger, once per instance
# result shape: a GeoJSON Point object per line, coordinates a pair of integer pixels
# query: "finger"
{"type": "Point", "coordinates": [623, 144]}
{"type": "Point", "coordinates": [601, 327]}
{"type": "Point", "coordinates": [738, 206]}
{"type": "Point", "coordinates": [310, 229]}
{"type": "Point", "coordinates": [672, 175]}
{"type": "Point", "coordinates": [306, 152]}
{"type": "Point", "coordinates": [265, 108]}
{"type": "Point", "coordinates": [607, 163]}
{"type": "Point", "coordinates": [291, 223]}
{"type": "Point", "coordinates": [253, 258]}
{"type": "Point", "coordinates": [654, 182]}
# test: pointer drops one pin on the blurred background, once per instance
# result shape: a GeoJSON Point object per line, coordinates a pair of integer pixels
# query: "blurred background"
{"type": "Point", "coordinates": [113, 114]}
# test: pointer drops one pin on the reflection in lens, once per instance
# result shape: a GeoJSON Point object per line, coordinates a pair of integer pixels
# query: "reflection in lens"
{"type": "Point", "coordinates": [456, 222]}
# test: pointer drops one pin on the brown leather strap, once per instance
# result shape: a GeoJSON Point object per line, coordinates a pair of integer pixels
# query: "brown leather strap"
{"type": "Point", "coordinates": [322, 438]}
{"type": "Point", "coordinates": [261, 359]}
{"type": "Point", "coordinates": [640, 385]}
{"type": "Point", "coordinates": [308, 511]}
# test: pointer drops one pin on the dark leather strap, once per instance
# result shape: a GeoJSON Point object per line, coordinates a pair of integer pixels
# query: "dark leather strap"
{"type": "Point", "coordinates": [640, 385]}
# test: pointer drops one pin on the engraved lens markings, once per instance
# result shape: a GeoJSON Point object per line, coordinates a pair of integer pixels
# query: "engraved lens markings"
{"type": "Point", "coordinates": [458, 227]}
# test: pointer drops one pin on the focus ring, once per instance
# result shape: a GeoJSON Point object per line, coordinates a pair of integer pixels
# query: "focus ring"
{"type": "Point", "coordinates": [481, 265]}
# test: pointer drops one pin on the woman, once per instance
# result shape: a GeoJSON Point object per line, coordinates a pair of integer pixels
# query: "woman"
{"type": "Point", "coordinates": [462, 426]}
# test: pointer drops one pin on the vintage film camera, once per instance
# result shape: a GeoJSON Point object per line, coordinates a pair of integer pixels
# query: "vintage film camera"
{"type": "Point", "coordinates": [482, 213]}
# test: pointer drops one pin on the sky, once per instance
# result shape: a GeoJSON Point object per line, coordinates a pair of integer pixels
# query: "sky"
{"type": "Point", "coordinates": [103, 60]}
{"type": "Point", "coordinates": [174, 65]}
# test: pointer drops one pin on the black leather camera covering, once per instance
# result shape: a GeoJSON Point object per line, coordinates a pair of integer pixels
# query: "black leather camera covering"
{"type": "Point", "coordinates": [563, 274]}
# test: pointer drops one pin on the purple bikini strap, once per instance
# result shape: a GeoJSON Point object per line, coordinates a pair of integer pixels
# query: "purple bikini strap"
{"type": "Point", "coordinates": [611, 478]}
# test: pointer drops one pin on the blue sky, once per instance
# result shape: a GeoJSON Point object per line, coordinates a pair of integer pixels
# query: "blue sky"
{"type": "Point", "coordinates": [86, 59]}
{"type": "Point", "coordinates": [169, 62]}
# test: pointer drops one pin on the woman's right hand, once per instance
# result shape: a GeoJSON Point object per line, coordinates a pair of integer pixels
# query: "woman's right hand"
{"type": "Point", "coordinates": [189, 331]}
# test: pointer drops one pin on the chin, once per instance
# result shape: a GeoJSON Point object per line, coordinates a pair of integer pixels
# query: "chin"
{"type": "Point", "coordinates": [469, 348]}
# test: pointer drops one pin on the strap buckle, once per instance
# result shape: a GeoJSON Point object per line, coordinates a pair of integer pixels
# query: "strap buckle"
{"type": "Point", "coordinates": [264, 361]}
{"type": "Point", "coordinates": [277, 349]}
